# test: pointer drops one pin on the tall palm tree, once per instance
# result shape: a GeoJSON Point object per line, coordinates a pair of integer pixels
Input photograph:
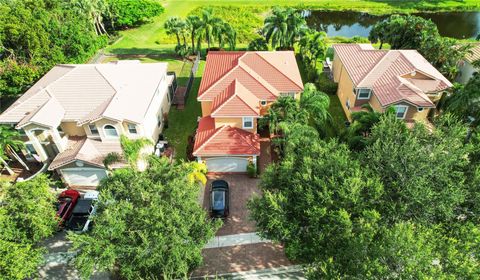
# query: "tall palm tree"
{"type": "Point", "coordinates": [316, 104]}
{"type": "Point", "coordinates": [284, 27]}
{"type": "Point", "coordinates": [225, 33]}
{"type": "Point", "coordinates": [10, 143]}
{"type": "Point", "coordinates": [193, 24]}
{"type": "Point", "coordinates": [174, 26]}
{"type": "Point", "coordinates": [94, 10]}
{"type": "Point", "coordinates": [210, 25]}
{"type": "Point", "coordinates": [275, 27]}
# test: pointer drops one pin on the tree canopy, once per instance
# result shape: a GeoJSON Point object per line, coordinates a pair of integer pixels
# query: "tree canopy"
{"type": "Point", "coordinates": [404, 207]}
{"type": "Point", "coordinates": [284, 27]}
{"type": "Point", "coordinates": [148, 223]}
{"type": "Point", "coordinates": [27, 216]}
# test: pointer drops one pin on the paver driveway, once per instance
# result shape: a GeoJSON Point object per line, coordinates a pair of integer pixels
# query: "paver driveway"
{"type": "Point", "coordinates": [244, 256]}
{"type": "Point", "coordinates": [242, 188]}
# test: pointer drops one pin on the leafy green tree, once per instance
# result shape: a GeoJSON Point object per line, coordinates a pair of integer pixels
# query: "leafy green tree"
{"type": "Point", "coordinates": [27, 216]}
{"type": "Point", "coordinates": [148, 224]}
{"type": "Point", "coordinates": [465, 101]}
{"type": "Point", "coordinates": [421, 182]}
{"type": "Point", "coordinates": [19, 260]}
{"type": "Point", "coordinates": [130, 13]}
{"type": "Point", "coordinates": [259, 44]}
{"type": "Point", "coordinates": [284, 27]}
{"type": "Point", "coordinates": [28, 212]}
{"type": "Point", "coordinates": [315, 197]}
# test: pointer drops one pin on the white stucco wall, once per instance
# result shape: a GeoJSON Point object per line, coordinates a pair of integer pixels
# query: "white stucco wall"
{"type": "Point", "coordinates": [158, 106]}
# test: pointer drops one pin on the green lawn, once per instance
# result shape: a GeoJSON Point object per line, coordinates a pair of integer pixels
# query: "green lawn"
{"type": "Point", "coordinates": [182, 123]}
{"type": "Point", "coordinates": [151, 38]}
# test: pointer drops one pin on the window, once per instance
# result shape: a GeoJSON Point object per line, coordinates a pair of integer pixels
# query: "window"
{"type": "Point", "coordinates": [291, 94]}
{"type": "Point", "coordinates": [93, 129]}
{"type": "Point", "coordinates": [401, 111]}
{"type": "Point", "coordinates": [132, 129]}
{"type": "Point", "coordinates": [263, 102]}
{"type": "Point", "coordinates": [247, 122]}
{"type": "Point", "coordinates": [363, 93]}
{"type": "Point", "coordinates": [110, 131]}
{"type": "Point", "coordinates": [30, 149]}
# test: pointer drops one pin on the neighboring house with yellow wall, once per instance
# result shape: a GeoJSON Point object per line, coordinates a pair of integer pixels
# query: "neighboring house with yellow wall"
{"type": "Point", "coordinates": [236, 90]}
{"type": "Point", "coordinates": [402, 79]}
{"type": "Point", "coordinates": [74, 115]}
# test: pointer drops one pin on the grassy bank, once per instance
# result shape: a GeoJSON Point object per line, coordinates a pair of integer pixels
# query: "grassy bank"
{"type": "Point", "coordinates": [247, 16]}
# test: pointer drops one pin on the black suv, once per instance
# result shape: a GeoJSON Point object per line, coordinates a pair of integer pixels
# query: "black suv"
{"type": "Point", "coordinates": [219, 199]}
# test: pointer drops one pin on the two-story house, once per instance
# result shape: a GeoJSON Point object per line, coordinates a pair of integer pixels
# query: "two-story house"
{"type": "Point", "coordinates": [402, 79]}
{"type": "Point", "coordinates": [74, 115]}
{"type": "Point", "coordinates": [235, 91]}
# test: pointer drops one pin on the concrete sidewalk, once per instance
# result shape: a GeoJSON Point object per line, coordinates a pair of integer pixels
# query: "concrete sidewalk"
{"type": "Point", "coordinates": [293, 272]}
{"type": "Point", "coordinates": [235, 239]}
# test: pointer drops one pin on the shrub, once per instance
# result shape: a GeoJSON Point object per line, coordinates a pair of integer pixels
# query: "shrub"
{"type": "Point", "coordinates": [251, 170]}
{"type": "Point", "coordinates": [128, 13]}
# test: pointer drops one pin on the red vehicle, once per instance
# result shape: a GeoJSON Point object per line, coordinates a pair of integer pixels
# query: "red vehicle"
{"type": "Point", "coordinates": [66, 202]}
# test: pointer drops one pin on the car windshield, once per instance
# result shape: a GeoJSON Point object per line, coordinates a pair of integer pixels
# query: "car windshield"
{"type": "Point", "coordinates": [218, 199]}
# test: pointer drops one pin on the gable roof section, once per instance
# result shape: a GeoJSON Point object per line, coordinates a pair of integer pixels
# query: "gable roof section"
{"type": "Point", "coordinates": [392, 74]}
{"type": "Point", "coordinates": [87, 150]}
{"type": "Point", "coordinates": [49, 114]}
{"type": "Point", "coordinates": [225, 140]}
{"type": "Point", "coordinates": [265, 74]}
{"type": "Point", "coordinates": [235, 101]}
{"type": "Point", "coordinates": [91, 91]}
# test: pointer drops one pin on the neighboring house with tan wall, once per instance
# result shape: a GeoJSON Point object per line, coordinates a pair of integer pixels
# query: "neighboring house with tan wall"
{"type": "Point", "coordinates": [402, 79]}
{"type": "Point", "coordinates": [75, 114]}
{"type": "Point", "coordinates": [236, 90]}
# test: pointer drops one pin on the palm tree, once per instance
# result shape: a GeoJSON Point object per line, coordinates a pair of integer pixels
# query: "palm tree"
{"type": "Point", "coordinates": [316, 104]}
{"type": "Point", "coordinates": [197, 172]}
{"type": "Point", "coordinates": [275, 28]}
{"type": "Point", "coordinates": [224, 32]}
{"type": "Point", "coordinates": [193, 24]}
{"type": "Point", "coordinates": [175, 25]}
{"type": "Point", "coordinates": [313, 47]}
{"type": "Point", "coordinates": [465, 101]}
{"type": "Point", "coordinates": [10, 143]}
{"type": "Point", "coordinates": [210, 25]}
{"type": "Point", "coordinates": [284, 27]}
{"type": "Point", "coordinates": [94, 10]}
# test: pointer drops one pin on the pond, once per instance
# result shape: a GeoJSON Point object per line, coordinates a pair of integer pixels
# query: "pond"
{"type": "Point", "coordinates": [460, 25]}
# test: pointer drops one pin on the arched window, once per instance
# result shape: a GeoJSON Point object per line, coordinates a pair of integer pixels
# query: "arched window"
{"type": "Point", "coordinates": [110, 131]}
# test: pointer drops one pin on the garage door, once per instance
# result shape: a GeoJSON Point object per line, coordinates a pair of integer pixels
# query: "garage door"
{"type": "Point", "coordinates": [227, 164]}
{"type": "Point", "coordinates": [83, 176]}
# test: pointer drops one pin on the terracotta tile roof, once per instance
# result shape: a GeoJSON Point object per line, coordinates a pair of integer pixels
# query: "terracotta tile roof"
{"type": "Point", "coordinates": [87, 150]}
{"type": "Point", "coordinates": [224, 140]}
{"type": "Point", "coordinates": [235, 101]}
{"type": "Point", "coordinates": [392, 74]}
{"type": "Point", "coordinates": [121, 91]}
{"type": "Point", "coordinates": [265, 74]}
